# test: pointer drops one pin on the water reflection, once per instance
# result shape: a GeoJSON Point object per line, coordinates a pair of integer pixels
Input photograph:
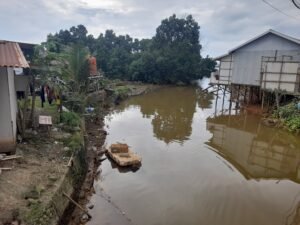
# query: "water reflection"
{"type": "Point", "coordinates": [255, 150]}
{"type": "Point", "coordinates": [246, 179]}
{"type": "Point", "coordinates": [204, 99]}
{"type": "Point", "coordinates": [125, 169]}
{"type": "Point", "coordinates": [171, 111]}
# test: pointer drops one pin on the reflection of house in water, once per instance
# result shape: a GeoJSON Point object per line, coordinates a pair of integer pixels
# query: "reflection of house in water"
{"type": "Point", "coordinates": [171, 110]}
{"type": "Point", "coordinates": [256, 151]}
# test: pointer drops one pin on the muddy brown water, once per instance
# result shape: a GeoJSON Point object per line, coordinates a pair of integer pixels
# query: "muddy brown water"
{"type": "Point", "coordinates": [198, 167]}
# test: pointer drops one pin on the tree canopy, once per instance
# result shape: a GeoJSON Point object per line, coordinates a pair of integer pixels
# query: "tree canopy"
{"type": "Point", "coordinates": [171, 56]}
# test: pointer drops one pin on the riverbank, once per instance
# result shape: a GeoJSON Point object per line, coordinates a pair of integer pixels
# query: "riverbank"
{"type": "Point", "coordinates": [95, 136]}
{"type": "Point", "coordinates": [48, 163]}
{"type": "Point", "coordinates": [32, 191]}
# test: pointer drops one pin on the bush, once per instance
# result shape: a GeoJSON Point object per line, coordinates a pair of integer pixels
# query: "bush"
{"type": "Point", "coordinates": [71, 119]}
{"type": "Point", "coordinates": [121, 93]}
{"type": "Point", "coordinates": [290, 116]}
{"type": "Point", "coordinates": [75, 142]}
{"type": "Point", "coordinates": [286, 111]}
{"type": "Point", "coordinates": [293, 123]}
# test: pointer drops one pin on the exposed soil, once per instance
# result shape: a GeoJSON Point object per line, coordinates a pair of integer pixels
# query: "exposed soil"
{"type": "Point", "coordinates": [94, 140]}
{"type": "Point", "coordinates": [34, 177]}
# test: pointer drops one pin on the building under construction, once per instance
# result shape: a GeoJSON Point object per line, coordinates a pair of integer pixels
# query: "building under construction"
{"type": "Point", "coordinates": [260, 70]}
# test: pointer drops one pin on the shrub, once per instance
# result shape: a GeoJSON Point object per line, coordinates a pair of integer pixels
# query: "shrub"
{"type": "Point", "coordinates": [75, 142]}
{"type": "Point", "coordinates": [290, 116]}
{"type": "Point", "coordinates": [70, 119]}
{"type": "Point", "coordinates": [286, 111]}
{"type": "Point", "coordinates": [293, 123]}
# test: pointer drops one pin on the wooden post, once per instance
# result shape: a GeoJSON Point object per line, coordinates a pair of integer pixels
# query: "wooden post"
{"type": "Point", "coordinates": [263, 100]}
{"type": "Point", "coordinates": [216, 104]}
{"type": "Point", "coordinates": [245, 94]}
{"type": "Point", "coordinates": [230, 100]}
{"type": "Point", "coordinates": [238, 98]}
{"type": "Point", "coordinates": [277, 99]}
{"type": "Point", "coordinates": [224, 93]}
{"type": "Point", "coordinates": [32, 116]}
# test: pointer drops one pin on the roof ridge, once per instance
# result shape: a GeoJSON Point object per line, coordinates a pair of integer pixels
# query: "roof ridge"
{"type": "Point", "coordinates": [263, 34]}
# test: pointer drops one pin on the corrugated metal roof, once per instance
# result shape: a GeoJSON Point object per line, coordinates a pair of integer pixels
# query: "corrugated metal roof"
{"type": "Point", "coordinates": [11, 55]}
{"type": "Point", "coordinates": [292, 39]}
{"type": "Point", "coordinates": [295, 40]}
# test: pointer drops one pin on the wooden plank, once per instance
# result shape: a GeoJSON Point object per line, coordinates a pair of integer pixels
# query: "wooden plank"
{"type": "Point", "coordinates": [10, 158]}
{"type": "Point", "coordinates": [45, 120]}
{"type": "Point", "coordinates": [79, 206]}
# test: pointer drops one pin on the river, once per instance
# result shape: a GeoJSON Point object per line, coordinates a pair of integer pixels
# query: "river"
{"type": "Point", "coordinates": [200, 165]}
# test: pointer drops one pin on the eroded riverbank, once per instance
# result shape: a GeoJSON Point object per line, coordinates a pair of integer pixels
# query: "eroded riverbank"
{"type": "Point", "coordinates": [95, 136]}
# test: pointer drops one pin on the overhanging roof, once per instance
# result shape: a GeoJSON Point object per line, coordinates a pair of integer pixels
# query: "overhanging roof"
{"type": "Point", "coordinates": [221, 56]}
{"type": "Point", "coordinates": [11, 55]}
{"type": "Point", "coordinates": [295, 40]}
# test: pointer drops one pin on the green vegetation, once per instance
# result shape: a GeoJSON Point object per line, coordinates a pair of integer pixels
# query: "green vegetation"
{"type": "Point", "coordinates": [290, 116]}
{"type": "Point", "coordinates": [121, 92]}
{"type": "Point", "coordinates": [172, 56]}
{"type": "Point", "coordinates": [70, 119]}
{"type": "Point", "coordinates": [75, 142]}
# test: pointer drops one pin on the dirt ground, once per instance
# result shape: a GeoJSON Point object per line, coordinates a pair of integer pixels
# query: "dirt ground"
{"type": "Point", "coordinates": [33, 177]}
{"type": "Point", "coordinates": [36, 175]}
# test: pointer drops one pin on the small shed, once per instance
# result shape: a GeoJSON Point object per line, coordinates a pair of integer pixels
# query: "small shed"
{"type": "Point", "coordinates": [270, 61]}
{"type": "Point", "coordinates": [11, 56]}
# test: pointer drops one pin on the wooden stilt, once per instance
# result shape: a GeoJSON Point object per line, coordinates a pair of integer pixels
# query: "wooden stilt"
{"type": "Point", "coordinates": [263, 100]}
{"type": "Point", "coordinates": [216, 103]}
{"type": "Point", "coordinates": [224, 92]}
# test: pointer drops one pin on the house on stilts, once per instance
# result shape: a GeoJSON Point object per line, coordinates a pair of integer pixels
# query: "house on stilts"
{"type": "Point", "coordinates": [267, 66]}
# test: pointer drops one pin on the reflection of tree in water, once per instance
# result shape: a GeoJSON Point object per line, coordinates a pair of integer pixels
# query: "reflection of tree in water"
{"type": "Point", "coordinates": [171, 110]}
{"type": "Point", "coordinates": [205, 99]}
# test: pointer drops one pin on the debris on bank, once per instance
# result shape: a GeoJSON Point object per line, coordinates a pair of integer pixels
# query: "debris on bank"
{"type": "Point", "coordinates": [123, 156]}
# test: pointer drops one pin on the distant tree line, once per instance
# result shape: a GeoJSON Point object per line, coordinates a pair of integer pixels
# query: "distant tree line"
{"type": "Point", "coordinates": [171, 56]}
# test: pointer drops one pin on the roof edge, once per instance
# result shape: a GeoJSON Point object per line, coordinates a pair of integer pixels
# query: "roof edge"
{"type": "Point", "coordinates": [270, 31]}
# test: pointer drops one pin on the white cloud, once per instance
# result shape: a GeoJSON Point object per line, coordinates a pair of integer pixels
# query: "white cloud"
{"type": "Point", "coordinates": [224, 23]}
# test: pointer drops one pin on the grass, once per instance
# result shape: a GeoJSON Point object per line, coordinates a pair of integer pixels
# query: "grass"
{"type": "Point", "coordinates": [51, 109]}
{"type": "Point", "coordinates": [71, 119]}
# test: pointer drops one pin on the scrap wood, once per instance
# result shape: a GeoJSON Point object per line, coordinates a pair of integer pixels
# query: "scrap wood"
{"type": "Point", "coordinates": [4, 168]}
{"type": "Point", "coordinates": [70, 163]}
{"type": "Point", "coordinates": [10, 157]}
{"type": "Point", "coordinates": [79, 206]}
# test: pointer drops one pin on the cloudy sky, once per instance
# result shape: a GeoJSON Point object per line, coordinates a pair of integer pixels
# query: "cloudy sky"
{"type": "Point", "coordinates": [224, 23]}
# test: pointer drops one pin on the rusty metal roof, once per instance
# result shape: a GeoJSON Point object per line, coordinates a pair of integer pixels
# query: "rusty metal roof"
{"type": "Point", "coordinates": [11, 55]}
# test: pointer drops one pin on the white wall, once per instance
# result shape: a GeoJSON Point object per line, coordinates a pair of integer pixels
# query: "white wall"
{"type": "Point", "coordinates": [13, 100]}
{"type": "Point", "coordinates": [224, 72]}
{"type": "Point", "coordinates": [247, 59]}
{"type": "Point", "coordinates": [281, 76]}
{"type": "Point", "coordinates": [8, 110]}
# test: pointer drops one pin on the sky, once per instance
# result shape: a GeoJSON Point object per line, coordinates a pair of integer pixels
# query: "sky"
{"type": "Point", "coordinates": [224, 23]}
